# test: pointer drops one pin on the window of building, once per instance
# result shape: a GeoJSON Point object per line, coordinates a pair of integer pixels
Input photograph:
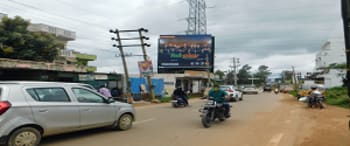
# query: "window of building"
{"type": "Point", "coordinates": [49, 94]}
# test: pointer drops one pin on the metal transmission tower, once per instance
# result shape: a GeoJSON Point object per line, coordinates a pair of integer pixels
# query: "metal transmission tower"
{"type": "Point", "coordinates": [197, 17]}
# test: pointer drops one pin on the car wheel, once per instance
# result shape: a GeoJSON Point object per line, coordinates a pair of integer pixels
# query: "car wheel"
{"type": "Point", "coordinates": [125, 122]}
{"type": "Point", "coordinates": [26, 136]}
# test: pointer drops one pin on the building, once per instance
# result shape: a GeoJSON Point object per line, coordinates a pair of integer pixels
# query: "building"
{"type": "Point", "coordinates": [2, 15]}
{"type": "Point", "coordinates": [194, 81]}
{"type": "Point", "coordinates": [62, 34]}
{"type": "Point", "coordinates": [332, 51]}
{"type": "Point", "coordinates": [68, 66]}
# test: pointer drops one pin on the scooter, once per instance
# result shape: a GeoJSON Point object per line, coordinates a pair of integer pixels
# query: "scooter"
{"type": "Point", "coordinates": [276, 91]}
{"type": "Point", "coordinates": [178, 102]}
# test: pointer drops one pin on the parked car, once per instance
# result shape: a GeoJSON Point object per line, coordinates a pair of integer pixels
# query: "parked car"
{"type": "Point", "coordinates": [250, 90]}
{"type": "Point", "coordinates": [233, 92]}
{"type": "Point", "coordinates": [32, 110]}
{"type": "Point", "coordinates": [268, 87]}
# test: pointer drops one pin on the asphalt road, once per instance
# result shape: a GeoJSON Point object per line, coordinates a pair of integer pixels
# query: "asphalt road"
{"type": "Point", "coordinates": [160, 125]}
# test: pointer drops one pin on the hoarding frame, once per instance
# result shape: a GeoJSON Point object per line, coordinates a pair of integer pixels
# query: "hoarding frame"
{"type": "Point", "coordinates": [181, 69]}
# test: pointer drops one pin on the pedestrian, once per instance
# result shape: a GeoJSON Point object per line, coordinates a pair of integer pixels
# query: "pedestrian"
{"type": "Point", "coordinates": [105, 91]}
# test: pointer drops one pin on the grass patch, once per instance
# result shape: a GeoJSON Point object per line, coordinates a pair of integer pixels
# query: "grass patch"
{"type": "Point", "coordinates": [165, 99]}
{"type": "Point", "coordinates": [337, 96]}
{"type": "Point", "coordinates": [294, 93]}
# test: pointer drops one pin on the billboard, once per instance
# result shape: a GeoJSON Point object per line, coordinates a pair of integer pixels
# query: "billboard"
{"type": "Point", "coordinates": [177, 53]}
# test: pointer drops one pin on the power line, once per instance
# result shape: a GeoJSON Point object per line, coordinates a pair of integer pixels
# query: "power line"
{"type": "Point", "coordinates": [57, 15]}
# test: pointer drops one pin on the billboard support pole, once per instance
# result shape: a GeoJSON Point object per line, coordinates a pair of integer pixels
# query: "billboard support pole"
{"type": "Point", "coordinates": [149, 79]}
{"type": "Point", "coordinates": [208, 71]}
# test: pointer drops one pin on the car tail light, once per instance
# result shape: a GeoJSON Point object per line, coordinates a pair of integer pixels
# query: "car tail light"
{"type": "Point", "coordinates": [4, 106]}
{"type": "Point", "coordinates": [229, 90]}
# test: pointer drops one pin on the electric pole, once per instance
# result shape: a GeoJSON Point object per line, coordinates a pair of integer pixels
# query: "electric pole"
{"type": "Point", "coordinates": [294, 78]}
{"type": "Point", "coordinates": [119, 39]}
{"type": "Point", "coordinates": [197, 17]}
{"type": "Point", "coordinates": [149, 79]}
{"type": "Point", "coordinates": [235, 67]}
{"type": "Point", "coordinates": [126, 72]}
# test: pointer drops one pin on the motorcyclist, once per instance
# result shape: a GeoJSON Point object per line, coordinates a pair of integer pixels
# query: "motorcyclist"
{"type": "Point", "coordinates": [179, 93]}
{"type": "Point", "coordinates": [314, 95]}
{"type": "Point", "coordinates": [220, 97]}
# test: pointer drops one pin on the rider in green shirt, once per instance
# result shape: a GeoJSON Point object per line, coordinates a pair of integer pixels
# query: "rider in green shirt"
{"type": "Point", "coordinates": [220, 97]}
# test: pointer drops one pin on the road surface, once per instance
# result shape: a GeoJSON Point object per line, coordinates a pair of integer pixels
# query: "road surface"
{"type": "Point", "coordinates": [259, 120]}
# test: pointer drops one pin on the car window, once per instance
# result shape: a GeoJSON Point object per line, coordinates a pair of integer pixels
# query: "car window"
{"type": "Point", "coordinates": [48, 94]}
{"type": "Point", "coordinates": [86, 96]}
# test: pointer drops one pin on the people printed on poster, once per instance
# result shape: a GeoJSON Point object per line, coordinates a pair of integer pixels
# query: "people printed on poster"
{"type": "Point", "coordinates": [185, 50]}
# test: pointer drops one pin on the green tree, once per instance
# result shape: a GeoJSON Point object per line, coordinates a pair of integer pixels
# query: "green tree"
{"type": "Point", "coordinates": [17, 42]}
{"type": "Point", "coordinates": [220, 73]}
{"type": "Point", "coordinates": [262, 74]}
{"type": "Point", "coordinates": [287, 76]}
{"type": "Point", "coordinates": [244, 74]}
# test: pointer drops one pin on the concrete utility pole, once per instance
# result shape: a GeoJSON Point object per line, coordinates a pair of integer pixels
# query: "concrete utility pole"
{"type": "Point", "coordinates": [142, 44]}
{"type": "Point", "coordinates": [235, 67]}
{"type": "Point", "coordinates": [294, 78]}
{"type": "Point", "coordinates": [149, 79]}
{"type": "Point", "coordinates": [126, 72]}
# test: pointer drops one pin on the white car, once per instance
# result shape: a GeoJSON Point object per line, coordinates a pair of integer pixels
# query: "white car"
{"type": "Point", "coordinates": [251, 90]}
{"type": "Point", "coordinates": [233, 92]}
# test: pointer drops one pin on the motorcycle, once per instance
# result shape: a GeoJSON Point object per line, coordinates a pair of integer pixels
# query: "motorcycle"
{"type": "Point", "coordinates": [316, 102]}
{"type": "Point", "coordinates": [212, 111]}
{"type": "Point", "coordinates": [178, 102]}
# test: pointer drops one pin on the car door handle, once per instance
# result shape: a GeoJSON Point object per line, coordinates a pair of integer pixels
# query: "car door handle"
{"type": "Point", "coordinates": [43, 110]}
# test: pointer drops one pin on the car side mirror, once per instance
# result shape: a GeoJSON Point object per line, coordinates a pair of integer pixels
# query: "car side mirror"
{"type": "Point", "coordinates": [110, 100]}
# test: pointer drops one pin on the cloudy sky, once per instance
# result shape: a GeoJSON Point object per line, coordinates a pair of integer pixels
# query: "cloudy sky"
{"type": "Point", "coordinates": [277, 33]}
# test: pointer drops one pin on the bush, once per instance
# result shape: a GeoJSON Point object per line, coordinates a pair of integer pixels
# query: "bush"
{"type": "Point", "coordinates": [165, 99]}
{"type": "Point", "coordinates": [337, 96]}
{"type": "Point", "coordinates": [294, 93]}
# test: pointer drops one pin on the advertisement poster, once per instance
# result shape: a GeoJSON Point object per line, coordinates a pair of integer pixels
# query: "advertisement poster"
{"type": "Point", "coordinates": [146, 68]}
{"type": "Point", "coordinates": [185, 51]}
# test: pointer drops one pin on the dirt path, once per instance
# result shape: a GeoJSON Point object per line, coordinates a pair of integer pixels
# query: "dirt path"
{"type": "Point", "coordinates": [291, 123]}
